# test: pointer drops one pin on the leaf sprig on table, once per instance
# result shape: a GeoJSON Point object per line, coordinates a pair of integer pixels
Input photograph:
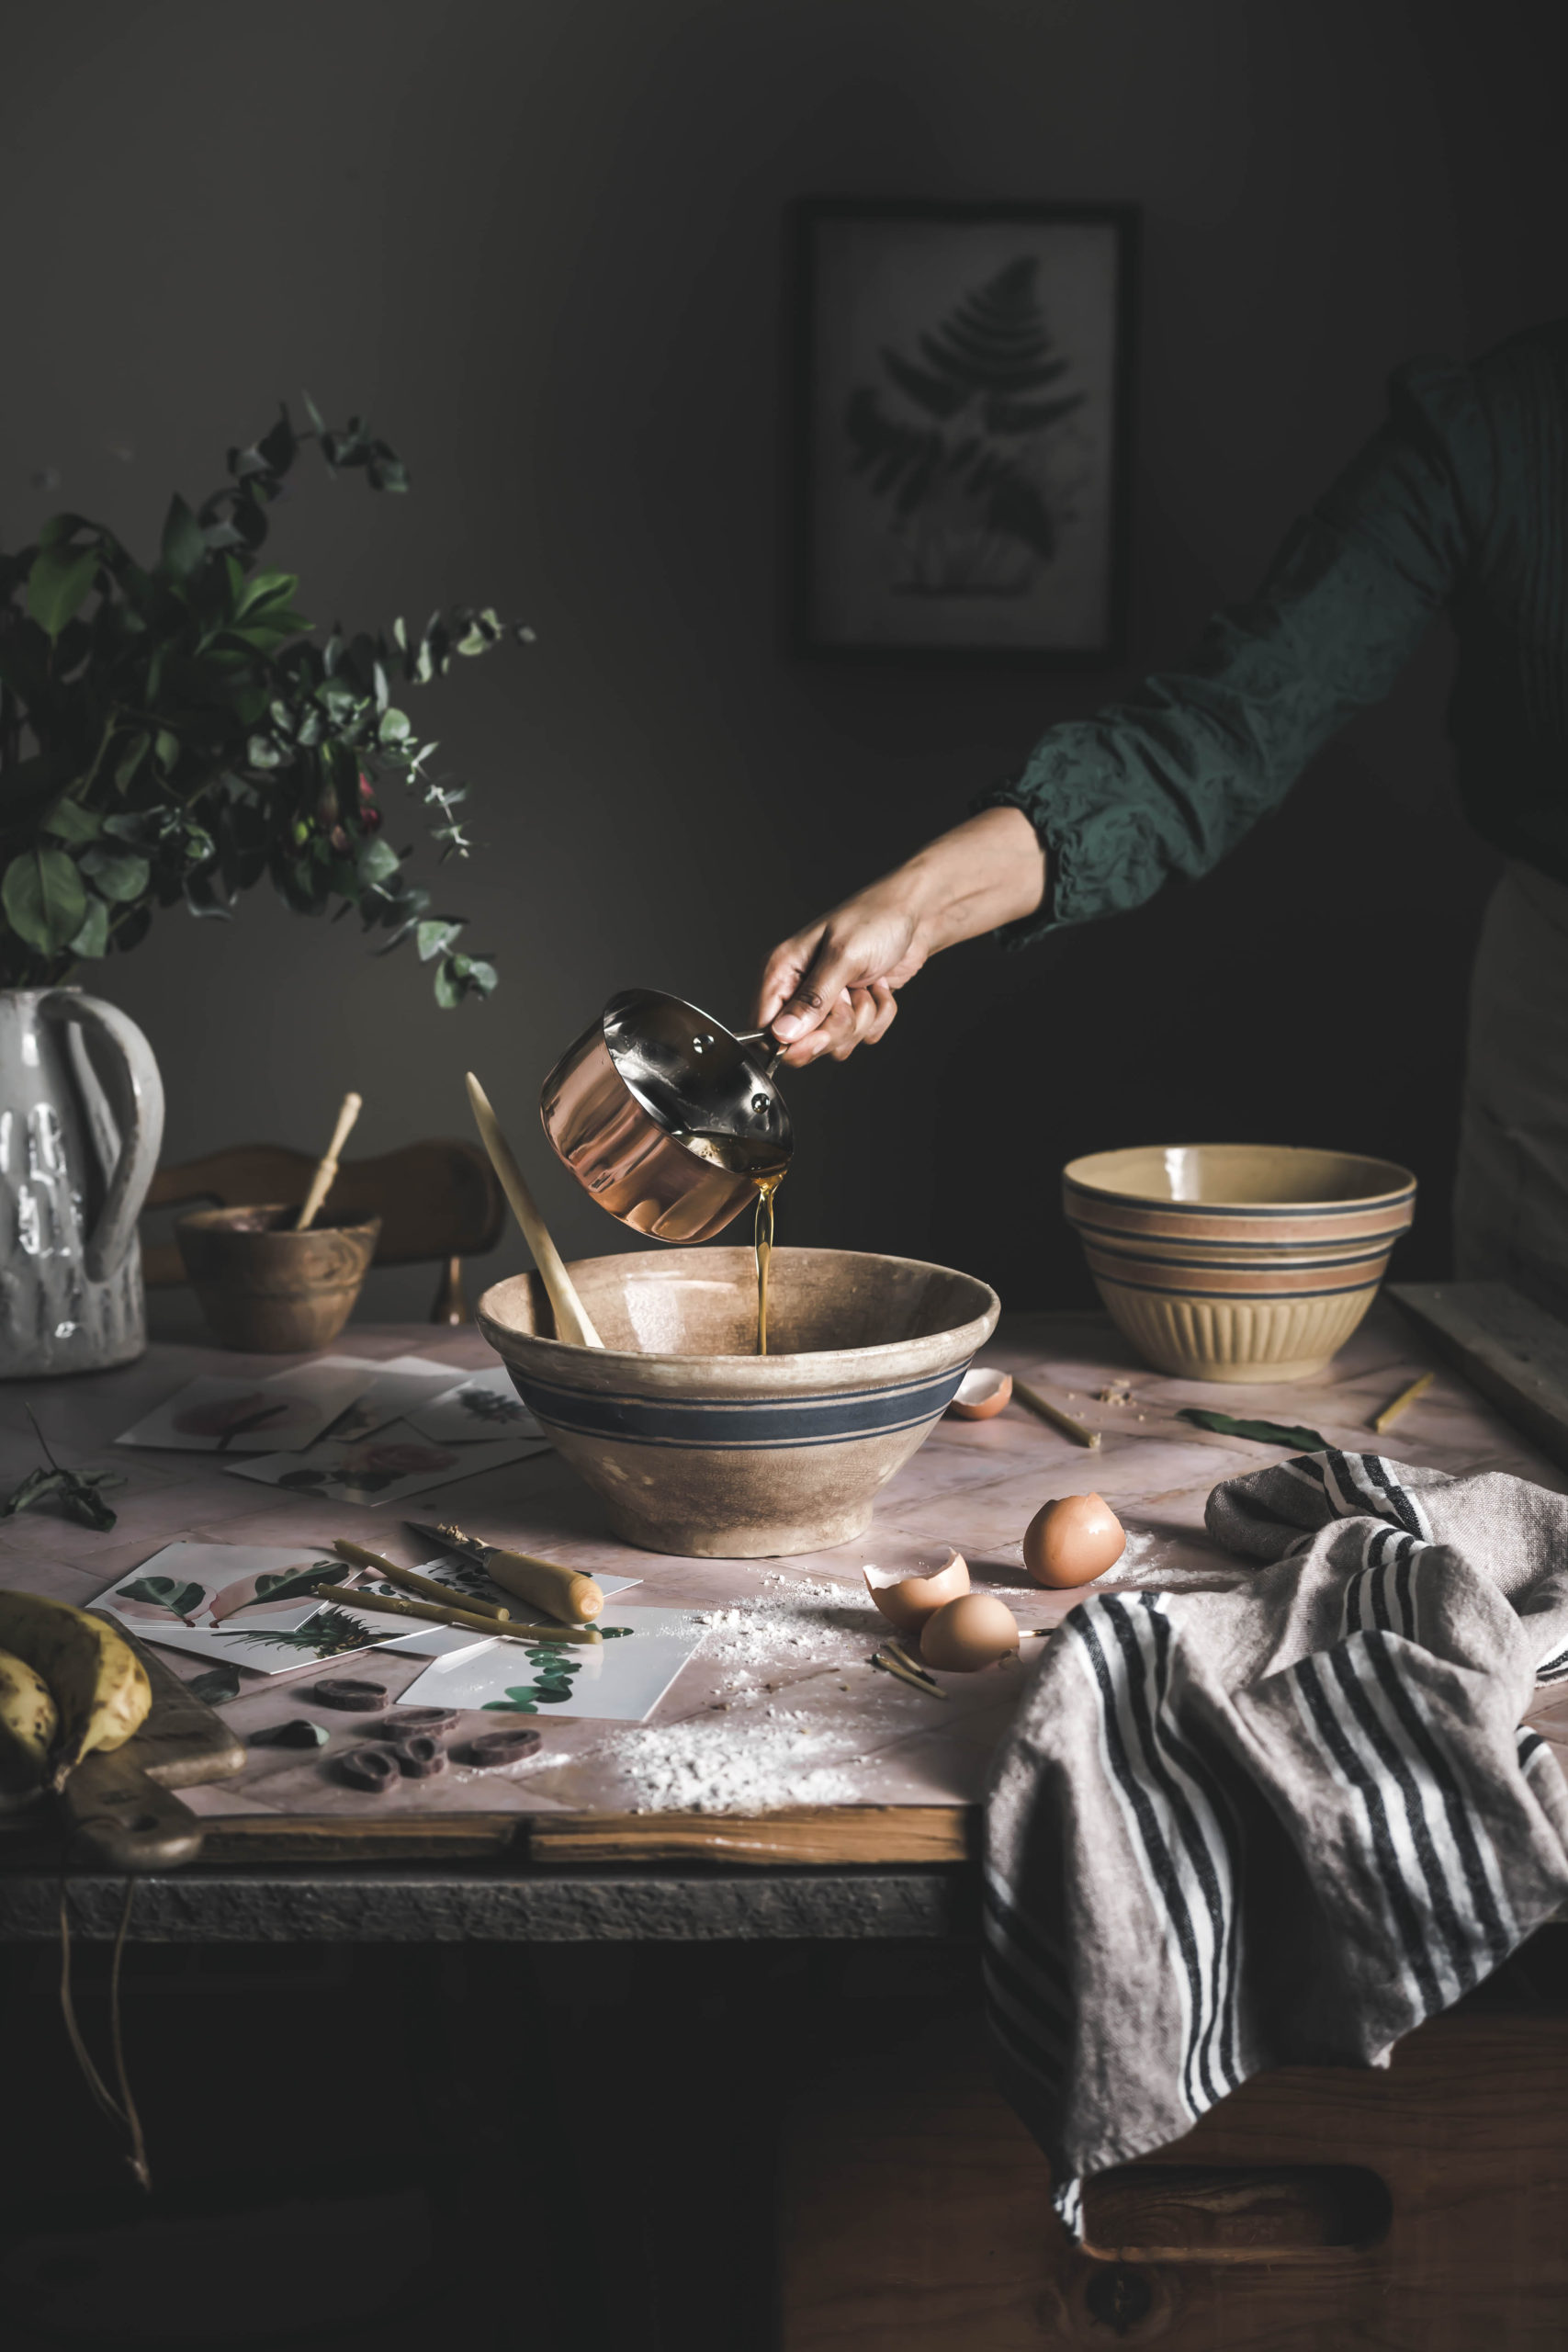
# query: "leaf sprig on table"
{"type": "Point", "coordinates": [173, 732]}
{"type": "Point", "coordinates": [78, 1490]}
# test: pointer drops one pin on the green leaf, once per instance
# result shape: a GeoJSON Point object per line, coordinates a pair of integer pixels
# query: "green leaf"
{"type": "Point", "coordinates": [177, 1594]}
{"type": "Point", "coordinates": [434, 938]}
{"type": "Point", "coordinates": [69, 822]}
{"type": "Point", "coordinates": [57, 586]}
{"type": "Point", "coordinates": [1300, 1440]}
{"type": "Point", "coordinates": [219, 1682]}
{"type": "Point", "coordinates": [394, 727]}
{"type": "Point", "coordinates": [44, 898]}
{"type": "Point", "coordinates": [113, 874]}
{"type": "Point", "coordinates": [130, 760]}
{"type": "Point", "coordinates": [166, 748]}
{"type": "Point", "coordinates": [93, 939]}
{"type": "Point", "coordinates": [297, 1731]}
{"type": "Point", "coordinates": [376, 860]}
{"type": "Point", "coordinates": [184, 547]}
{"type": "Point", "coordinates": [265, 588]}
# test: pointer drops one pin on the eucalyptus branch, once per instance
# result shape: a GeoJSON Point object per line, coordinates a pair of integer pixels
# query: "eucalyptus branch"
{"type": "Point", "coordinates": [194, 737]}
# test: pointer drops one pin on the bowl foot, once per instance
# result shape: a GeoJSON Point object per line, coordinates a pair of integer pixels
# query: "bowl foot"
{"type": "Point", "coordinates": [769, 1541]}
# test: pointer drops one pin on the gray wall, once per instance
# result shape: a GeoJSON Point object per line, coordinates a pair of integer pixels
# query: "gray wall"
{"type": "Point", "coordinates": [540, 244]}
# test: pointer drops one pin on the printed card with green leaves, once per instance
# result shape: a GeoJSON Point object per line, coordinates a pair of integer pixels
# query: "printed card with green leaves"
{"type": "Point", "coordinates": [250, 1605]}
{"type": "Point", "coordinates": [620, 1679]}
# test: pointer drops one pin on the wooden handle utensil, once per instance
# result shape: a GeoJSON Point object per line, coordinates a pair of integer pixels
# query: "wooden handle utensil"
{"type": "Point", "coordinates": [357, 1556]}
{"type": "Point", "coordinates": [326, 1169]}
{"type": "Point", "coordinates": [500, 1629]}
{"type": "Point", "coordinates": [573, 1322]}
{"type": "Point", "coordinates": [1055, 1415]}
{"type": "Point", "coordinates": [566, 1593]}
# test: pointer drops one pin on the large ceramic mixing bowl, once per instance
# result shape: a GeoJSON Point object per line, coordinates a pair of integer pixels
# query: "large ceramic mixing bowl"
{"type": "Point", "coordinates": [1237, 1261]}
{"type": "Point", "coordinates": [698, 1445]}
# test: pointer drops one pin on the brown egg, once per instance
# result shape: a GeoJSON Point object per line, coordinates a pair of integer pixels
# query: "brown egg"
{"type": "Point", "coordinates": [1073, 1541]}
{"type": "Point", "coordinates": [909, 1601]}
{"type": "Point", "coordinates": [970, 1632]}
{"type": "Point", "coordinates": [981, 1395]}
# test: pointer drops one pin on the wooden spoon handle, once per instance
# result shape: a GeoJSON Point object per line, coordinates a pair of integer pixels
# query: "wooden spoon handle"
{"type": "Point", "coordinates": [573, 1322]}
{"type": "Point", "coordinates": [326, 1169]}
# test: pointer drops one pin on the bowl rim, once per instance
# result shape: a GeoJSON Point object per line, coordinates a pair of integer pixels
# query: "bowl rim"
{"type": "Point", "coordinates": [1402, 1189]}
{"type": "Point", "coordinates": [215, 1217]}
{"type": "Point", "coordinates": [881, 1354]}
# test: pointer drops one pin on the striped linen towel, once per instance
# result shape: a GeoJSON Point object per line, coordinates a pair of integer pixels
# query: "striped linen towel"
{"type": "Point", "coordinates": [1281, 1823]}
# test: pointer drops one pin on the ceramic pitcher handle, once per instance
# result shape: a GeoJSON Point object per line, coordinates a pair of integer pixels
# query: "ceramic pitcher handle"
{"type": "Point", "coordinates": [136, 1094]}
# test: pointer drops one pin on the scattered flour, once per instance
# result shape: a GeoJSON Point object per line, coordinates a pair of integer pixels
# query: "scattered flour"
{"type": "Point", "coordinates": [724, 1766]}
{"type": "Point", "coordinates": [804, 1621]}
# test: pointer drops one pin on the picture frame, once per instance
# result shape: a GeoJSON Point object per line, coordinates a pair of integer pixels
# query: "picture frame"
{"type": "Point", "coordinates": [962, 430]}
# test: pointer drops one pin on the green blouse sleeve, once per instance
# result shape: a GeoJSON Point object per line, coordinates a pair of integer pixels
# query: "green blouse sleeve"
{"type": "Point", "coordinates": [1169, 781]}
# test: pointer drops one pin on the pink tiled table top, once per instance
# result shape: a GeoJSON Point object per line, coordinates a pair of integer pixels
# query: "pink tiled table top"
{"type": "Point", "coordinates": [868, 1739]}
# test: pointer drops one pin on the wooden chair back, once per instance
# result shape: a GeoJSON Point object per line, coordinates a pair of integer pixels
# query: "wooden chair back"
{"type": "Point", "coordinates": [438, 1200]}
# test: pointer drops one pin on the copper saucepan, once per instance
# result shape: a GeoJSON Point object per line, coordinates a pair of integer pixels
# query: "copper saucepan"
{"type": "Point", "coordinates": [665, 1117]}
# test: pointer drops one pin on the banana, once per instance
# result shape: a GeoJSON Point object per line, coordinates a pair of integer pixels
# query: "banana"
{"type": "Point", "coordinates": [96, 1680]}
{"type": "Point", "coordinates": [28, 1724]}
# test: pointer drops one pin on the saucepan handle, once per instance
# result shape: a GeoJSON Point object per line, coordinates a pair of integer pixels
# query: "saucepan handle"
{"type": "Point", "coordinates": [136, 1097]}
{"type": "Point", "coordinates": [761, 1037]}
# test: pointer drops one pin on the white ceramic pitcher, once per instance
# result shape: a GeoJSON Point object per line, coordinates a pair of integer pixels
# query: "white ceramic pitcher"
{"type": "Point", "coordinates": [76, 1158]}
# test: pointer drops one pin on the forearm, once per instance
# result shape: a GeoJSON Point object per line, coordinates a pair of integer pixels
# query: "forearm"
{"type": "Point", "coordinates": [985, 873]}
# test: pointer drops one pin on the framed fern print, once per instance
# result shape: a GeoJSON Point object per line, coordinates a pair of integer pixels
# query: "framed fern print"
{"type": "Point", "coordinates": [963, 425]}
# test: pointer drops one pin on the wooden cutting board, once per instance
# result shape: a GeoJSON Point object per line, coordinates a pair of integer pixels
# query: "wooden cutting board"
{"type": "Point", "coordinates": [120, 1809]}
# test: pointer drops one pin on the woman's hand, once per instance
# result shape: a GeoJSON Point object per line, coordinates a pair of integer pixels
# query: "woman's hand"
{"type": "Point", "coordinates": [831, 988]}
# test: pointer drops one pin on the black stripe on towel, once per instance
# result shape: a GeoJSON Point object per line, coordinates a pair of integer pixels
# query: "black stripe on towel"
{"type": "Point", "coordinates": [1185, 1754]}
{"type": "Point", "coordinates": [1162, 1867]}
{"type": "Point", "coordinates": [1395, 1766]}
{"type": "Point", "coordinates": [1357, 1772]}
{"type": "Point", "coordinates": [1456, 1806]}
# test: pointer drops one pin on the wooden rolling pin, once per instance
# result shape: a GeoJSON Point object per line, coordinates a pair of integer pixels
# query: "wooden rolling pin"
{"type": "Point", "coordinates": [566, 1593]}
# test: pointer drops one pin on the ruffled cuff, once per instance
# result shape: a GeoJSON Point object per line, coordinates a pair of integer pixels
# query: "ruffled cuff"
{"type": "Point", "coordinates": [1096, 840]}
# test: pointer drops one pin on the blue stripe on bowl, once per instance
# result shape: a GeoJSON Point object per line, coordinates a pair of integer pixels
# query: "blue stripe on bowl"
{"type": "Point", "coordinates": [741, 1425]}
{"type": "Point", "coordinates": [1105, 1236]}
{"type": "Point", "coordinates": [1098, 1248]}
{"type": "Point", "coordinates": [1378, 1200]}
{"type": "Point", "coordinates": [1239, 1297]}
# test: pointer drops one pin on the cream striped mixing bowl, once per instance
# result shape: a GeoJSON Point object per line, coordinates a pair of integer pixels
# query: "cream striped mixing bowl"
{"type": "Point", "coordinates": [1237, 1261]}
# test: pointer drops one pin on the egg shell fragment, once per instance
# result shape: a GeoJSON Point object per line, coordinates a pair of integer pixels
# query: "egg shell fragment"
{"type": "Point", "coordinates": [1072, 1541]}
{"type": "Point", "coordinates": [982, 1395]}
{"type": "Point", "coordinates": [909, 1602]}
{"type": "Point", "coordinates": [970, 1632]}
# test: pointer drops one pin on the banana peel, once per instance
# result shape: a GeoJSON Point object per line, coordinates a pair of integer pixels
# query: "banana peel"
{"type": "Point", "coordinates": [97, 1684]}
{"type": "Point", "coordinates": [29, 1726]}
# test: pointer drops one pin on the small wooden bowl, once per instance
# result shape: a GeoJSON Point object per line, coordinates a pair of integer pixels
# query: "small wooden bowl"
{"type": "Point", "coordinates": [267, 1289]}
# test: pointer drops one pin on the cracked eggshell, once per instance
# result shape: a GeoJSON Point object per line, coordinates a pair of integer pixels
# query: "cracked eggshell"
{"type": "Point", "coordinates": [908, 1602]}
{"type": "Point", "coordinates": [1072, 1541]}
{"type": "Point", "coordinates": [981, 1395]}
{"type": "Point", "coordinates": [970, 1632]}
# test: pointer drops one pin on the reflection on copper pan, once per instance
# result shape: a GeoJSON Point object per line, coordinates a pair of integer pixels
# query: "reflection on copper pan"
{"type": "Point", "coordinates": [665, 1117]}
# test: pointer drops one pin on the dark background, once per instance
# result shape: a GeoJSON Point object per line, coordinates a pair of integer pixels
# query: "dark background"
{"type": "Point", "coordinates": [542, 245]}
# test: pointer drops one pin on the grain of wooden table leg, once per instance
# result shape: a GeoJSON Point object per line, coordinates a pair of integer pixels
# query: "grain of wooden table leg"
{"type": "Point", "coordinates": [915, 2212]}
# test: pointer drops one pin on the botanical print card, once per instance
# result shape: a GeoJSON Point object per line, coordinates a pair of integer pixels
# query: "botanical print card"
{"type": "Point", "coordinates": [252, 1605]}
{"type": "Point", "coordinates": [486, 1406]}
{"type": "Point", "coordinates": [620, 1680]}
{"type": "Point", "coordinates": [217, 1416]}
{"type": "Point", "coordinates": [395, 1462]}
{"type": "Point", "coordinates": [400, 1383]}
